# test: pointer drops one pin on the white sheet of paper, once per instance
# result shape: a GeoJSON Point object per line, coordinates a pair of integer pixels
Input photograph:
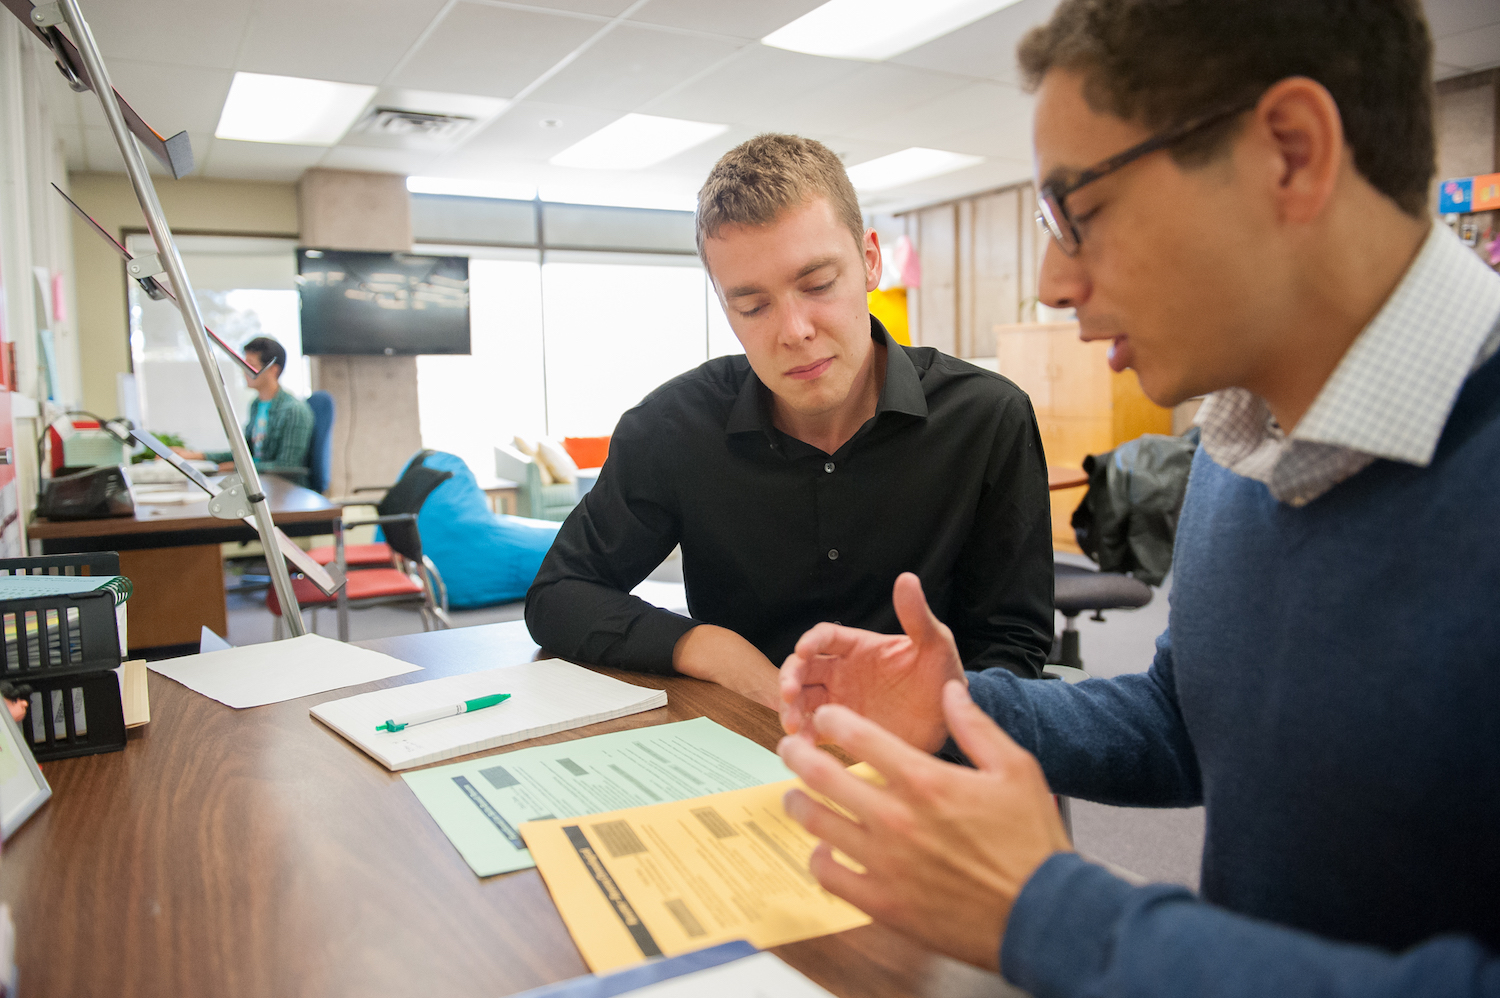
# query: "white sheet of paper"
{"type": "Point", "coordinates": [667, 595]}
{"type": "Point", "coordinates": [209, 641]}
{"type": "Point", "coordinates": [254, 675]}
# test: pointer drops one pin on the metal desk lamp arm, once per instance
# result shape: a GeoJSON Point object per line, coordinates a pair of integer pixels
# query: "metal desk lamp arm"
{"type": "Point", "coordinates": [171, 259]}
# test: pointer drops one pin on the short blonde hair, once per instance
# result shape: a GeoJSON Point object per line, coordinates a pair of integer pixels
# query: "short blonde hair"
{"type": "Point", "coordinates": [757, 180]}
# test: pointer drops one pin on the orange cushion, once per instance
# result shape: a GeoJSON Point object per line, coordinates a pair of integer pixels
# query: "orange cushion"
{"type": "Point", "coordinates": [354, 554]}
{"type": "Point", "coordinates": [365, 584]}
{"type": "Point", "coordinates": [587, 452]}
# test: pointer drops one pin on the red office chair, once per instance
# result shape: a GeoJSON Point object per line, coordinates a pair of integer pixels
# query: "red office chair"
{"type": "Point", "coordinates": [406, 577]}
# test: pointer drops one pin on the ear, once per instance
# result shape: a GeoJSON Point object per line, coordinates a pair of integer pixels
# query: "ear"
{"type": "Point", "coordinates": [1299, 121]}
{"type": "Point", "coordinates": [873, 261]}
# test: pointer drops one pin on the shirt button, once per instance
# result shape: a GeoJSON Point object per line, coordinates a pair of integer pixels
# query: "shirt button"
{"type": "Point", "coordinates": [828, 467]}
{"type": "Point", "coordinates": [833, 554]}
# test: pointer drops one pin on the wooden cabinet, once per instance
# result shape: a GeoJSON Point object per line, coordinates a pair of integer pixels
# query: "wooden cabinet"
{"type": "Point", "coordinates": [978, 258]}
{"type": "Point", "coordinates": [1082, 407]}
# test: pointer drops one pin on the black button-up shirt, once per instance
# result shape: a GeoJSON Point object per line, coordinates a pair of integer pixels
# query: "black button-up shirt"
{"type": "Point", "coordinates": [947, 480]}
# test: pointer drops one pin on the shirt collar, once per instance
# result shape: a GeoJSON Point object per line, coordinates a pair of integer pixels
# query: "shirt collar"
{"type": "Point", "coordinates": [1391, 394]}
{"type": "Point", "coordinates": [901, 392]}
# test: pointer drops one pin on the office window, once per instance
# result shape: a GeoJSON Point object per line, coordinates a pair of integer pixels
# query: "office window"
{"type": "Point", "coordinates": [245, 287]}
{"type": "Point", "coordinates": [469, 404]}
{"type": "Point", "coordinates": [566, 347]}
{"type": "Point", "coordinates": [616, 327]}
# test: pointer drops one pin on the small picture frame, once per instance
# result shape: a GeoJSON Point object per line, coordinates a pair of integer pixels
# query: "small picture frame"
{"type": "Point", "coordinates": [23, 788]}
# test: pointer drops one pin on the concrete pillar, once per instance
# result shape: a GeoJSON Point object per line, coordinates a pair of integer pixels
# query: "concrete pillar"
{"type": "Point", "coordinates": [378, 425]}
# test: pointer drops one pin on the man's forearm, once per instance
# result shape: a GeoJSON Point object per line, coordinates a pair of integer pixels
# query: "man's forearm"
{"type": "Point", "coordinates": [721, 656]}
{"type": "Point", "coordinates": [594, 623]}
{"type": "Point", "coordinates": [1115, 741]}
{"type": "Point", "coordinates": [1076, 930]}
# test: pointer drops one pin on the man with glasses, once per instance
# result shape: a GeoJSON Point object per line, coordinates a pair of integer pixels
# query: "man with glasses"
{"type": "Point", "coordinates": [1237, 194]}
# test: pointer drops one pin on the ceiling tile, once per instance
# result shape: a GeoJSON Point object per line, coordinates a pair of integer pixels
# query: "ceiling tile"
{"type": "Point", "coordinates": [177, 31]}
{"type": "Point", "coordinates": [851, 150]}
{"type": "Point", "coordinates": [870, 93]}
{"type": "Point", "coordinates": [1449, 17]}
{"type": "Point", "coordinates": [258, 160]}
{"type": "Point", "coordinates": [961, 183]}
{"type": "Point", "coordinates": [1476, 49]}
{"type": "Point", "coordinates": [599, 8]}
{"type": "Point", "coordinates": [103, 155]}
{"type": "Point", "coordinates": [981, 112]}
{"type": "Point", "coordinates": [752, 87]}
{"type": "Point", "coordinates": [351, 41]}
{"type": "Point", "coordinates": [742, 20]}
{"type": "Point", "coordinates": [519, 133]}
{"type": "Point", "coordinates": [631, 65]}
{"type": "Point", "coordinates": [403, 161]}
{"type": "Point", "coordinates": [170, 98]}
{"type": "Point", "coordinates": [986, 48]}
{"type": "Point", "coordinates": [492, 51]}
{"type": "Point", "coordinates": [697, 161]}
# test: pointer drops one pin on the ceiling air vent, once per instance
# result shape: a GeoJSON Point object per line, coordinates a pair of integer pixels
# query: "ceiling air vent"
{"type": "Point", "coordinates": [394, 122]}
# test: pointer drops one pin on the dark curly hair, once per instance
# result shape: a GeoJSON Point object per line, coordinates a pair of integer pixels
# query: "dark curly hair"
{"type": "Point", "coordinates": [269, 351]}
{"type": "Point", "coordinates": [1161, 62]}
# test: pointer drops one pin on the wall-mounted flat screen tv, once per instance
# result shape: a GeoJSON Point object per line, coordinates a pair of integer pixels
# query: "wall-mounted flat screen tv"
{"type": "Point", "coordinates": [382, 303]}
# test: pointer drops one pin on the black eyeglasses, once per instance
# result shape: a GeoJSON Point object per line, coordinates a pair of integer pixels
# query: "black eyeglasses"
{"type": "Point", "coordinates": [1052, 210]}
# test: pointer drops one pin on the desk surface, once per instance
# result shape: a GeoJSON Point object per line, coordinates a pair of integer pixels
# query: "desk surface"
{"type": "Point", "coordinates": [256, 852]}
{"type": "Point", "coordinates": [289, 504]}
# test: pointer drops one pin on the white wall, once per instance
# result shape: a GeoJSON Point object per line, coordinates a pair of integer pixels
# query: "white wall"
{"type": "Point", "coordinates": [34, 233]}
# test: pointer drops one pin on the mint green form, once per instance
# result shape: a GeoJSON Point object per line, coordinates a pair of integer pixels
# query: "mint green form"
{"type": "Point", "coordinates": [480, 805]}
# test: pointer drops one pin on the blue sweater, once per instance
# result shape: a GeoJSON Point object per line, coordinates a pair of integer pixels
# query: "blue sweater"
{"type": "Point", "coordinates": [1329, 689]}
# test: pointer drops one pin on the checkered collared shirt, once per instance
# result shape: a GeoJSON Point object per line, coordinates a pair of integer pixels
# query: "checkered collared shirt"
{"type": "Point", "coordinates": [1390, 395]}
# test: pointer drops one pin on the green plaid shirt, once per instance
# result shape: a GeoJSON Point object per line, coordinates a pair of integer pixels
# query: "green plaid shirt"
{"type": "Point", "coordinates": [289, 429]}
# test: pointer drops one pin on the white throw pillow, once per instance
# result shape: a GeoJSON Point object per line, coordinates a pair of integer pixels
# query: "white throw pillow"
{"type": "Point", "coordinates": [529, 448]}
{"type": "Point", "coordinates": [557, 460]}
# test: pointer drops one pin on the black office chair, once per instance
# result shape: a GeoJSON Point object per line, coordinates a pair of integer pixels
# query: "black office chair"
{"type": "Point", "coordinates": [1079, 589]}
{"type": "Point", "coordinates": [1126, 521]}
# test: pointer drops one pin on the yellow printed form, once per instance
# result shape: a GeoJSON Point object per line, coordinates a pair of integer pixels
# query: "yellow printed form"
{"type": "Point", "coordinates": [676, 877]}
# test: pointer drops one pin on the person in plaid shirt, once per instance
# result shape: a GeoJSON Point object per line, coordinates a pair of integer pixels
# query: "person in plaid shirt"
{"type": "Point", "coordinates": [280, 426]}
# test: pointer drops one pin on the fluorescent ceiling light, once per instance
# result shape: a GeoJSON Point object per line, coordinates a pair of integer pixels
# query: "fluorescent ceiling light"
{"type": "Point", "coordinates": [907, 166]}
{"type": "Point", "coordinates": [636, 141]}
{"type": "Point", "coordinates": [877, 29]}
{"type": "Point", "coordinates": [290, 109]}
{"type": "Point", "coordinates": [510, 190]}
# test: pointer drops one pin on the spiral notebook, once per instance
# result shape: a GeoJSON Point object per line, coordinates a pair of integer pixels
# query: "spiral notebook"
{"type": "Point", "coordinates": [546, 696]}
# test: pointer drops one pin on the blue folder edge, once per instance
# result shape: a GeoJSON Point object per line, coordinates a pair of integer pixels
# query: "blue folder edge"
{"type": "Point", "coordinates": [626, 981]}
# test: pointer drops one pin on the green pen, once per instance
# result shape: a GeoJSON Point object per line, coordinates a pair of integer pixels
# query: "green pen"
{"type": "Point", "coordinates": [437, 713]}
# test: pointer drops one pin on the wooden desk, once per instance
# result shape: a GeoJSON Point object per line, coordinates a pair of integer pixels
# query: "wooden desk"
{"type": "Point", "coordinates": [171, 553]}
{"type": "Point", "coordinates": [256, 852]}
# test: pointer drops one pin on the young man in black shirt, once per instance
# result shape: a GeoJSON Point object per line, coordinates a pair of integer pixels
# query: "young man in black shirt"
{"type": "Point", "coordinates": [803, 477]}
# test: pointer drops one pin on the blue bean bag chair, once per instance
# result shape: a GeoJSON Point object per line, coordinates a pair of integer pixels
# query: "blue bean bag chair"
{"type": "Point", "coordinates": [484, 558]}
